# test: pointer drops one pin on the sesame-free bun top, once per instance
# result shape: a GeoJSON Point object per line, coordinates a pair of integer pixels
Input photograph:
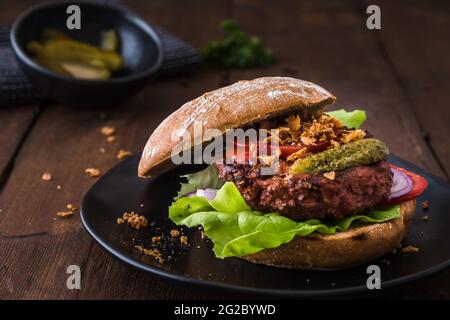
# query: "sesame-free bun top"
{"type": "Point", "coordinates": [234, 106]}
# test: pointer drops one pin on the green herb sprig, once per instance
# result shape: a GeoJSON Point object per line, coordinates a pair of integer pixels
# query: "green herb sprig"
{"type": "Point", "coordinates": [237, 49]}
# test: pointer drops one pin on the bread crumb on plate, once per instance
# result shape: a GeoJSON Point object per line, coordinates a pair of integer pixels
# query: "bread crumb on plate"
{"type": "Point", "coordinates": [174, 233]}
{"type": "Point", "coordinates": [410, 249]}
{"type": "Point", "coordinates": [150, 252]}
{"type": "Point", "coordinates": [184, 240]}
{"type": "Point", "coordinates": [135, 220]}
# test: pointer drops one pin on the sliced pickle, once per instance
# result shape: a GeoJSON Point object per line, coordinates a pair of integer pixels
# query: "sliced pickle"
{"type": "Point", "coordinates": [109, 40]}
{"type": "Point", "coordinates": [52, 65]}
{"type": "Point", "coordinates": [72, 50]}
{"type": "Point", "coordinates": [52, 34]}
{"type": "Point", "coordinates": [35, 47]}
{"type": "Point", "coordinates": [64, 55]}
{"type": "Point", "coordinates": [355, 153]}
{"type": "Point", "coordinates": [84, 71]}
{"type": "Point", "coordinates": [43, 59]}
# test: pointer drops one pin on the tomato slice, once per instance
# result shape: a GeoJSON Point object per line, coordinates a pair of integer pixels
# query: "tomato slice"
{"type": "Point", "coordinates": [319, 146]}
{"type": "Point", "coordinates": [288, 150]}
{"type": "Point", "coordinates": [419, 185]}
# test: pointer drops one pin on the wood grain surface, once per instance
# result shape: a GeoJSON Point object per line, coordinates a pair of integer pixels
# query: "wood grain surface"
{"type": "Point", "coordinates": [400, 75]}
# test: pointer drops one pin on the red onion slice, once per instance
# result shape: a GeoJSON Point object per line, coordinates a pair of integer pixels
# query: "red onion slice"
{"type": "Point", "coordinates": [401, 185]}
{"type": "Point", "coordinates": [209, 194]}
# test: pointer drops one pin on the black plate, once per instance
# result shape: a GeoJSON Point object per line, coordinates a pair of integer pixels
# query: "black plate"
{"type": "Point", "coordinates": [121, 190]}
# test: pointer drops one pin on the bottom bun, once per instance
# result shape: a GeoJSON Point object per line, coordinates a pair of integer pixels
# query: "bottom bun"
{"type": "Point", "coordinates": [341, 250]}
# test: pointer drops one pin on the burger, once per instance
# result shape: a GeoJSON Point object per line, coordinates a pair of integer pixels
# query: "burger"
{"type": "Point", "coordinates": [331, 200]}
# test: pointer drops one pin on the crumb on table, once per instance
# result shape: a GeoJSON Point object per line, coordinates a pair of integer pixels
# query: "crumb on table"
{"type": "Point", "coordinates": [122, 154]}
{"type": "Point", "coordinates": [92, 172]}
{"type": "Point", "coordinates": [47, 176]}
{"type": "Point", "coordinates": [424, 218]}
{"type": "Point", "coordinates": [69, 212]}
{"type": "Point", "coordinates": [425, 205]}
{"type": "Point", "coordinates": [156, 239]}
{"type": "Point", "coordinates": [107, 130]}
{"type": "Point", "coordinates": [64, 214]}
{"type": "Point", "coordinates": [111, 138]}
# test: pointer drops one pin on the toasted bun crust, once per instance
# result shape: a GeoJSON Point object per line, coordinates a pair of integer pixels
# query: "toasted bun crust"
{"type": "Point", "coordinates": [230, 107]}
{"type": "Point", "coordinates": [341, 250]}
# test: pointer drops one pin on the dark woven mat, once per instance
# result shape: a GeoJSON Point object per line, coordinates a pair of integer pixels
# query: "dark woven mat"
{"type": "Point", "coordinates": [15, 88]}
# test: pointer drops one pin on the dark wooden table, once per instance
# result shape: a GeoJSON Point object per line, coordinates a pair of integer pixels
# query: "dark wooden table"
{"type": "Point", "coordinates": [400, 75]}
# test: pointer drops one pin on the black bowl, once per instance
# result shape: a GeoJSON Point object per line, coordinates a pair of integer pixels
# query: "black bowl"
{"type": "Point", "coordinates": [140, 48]}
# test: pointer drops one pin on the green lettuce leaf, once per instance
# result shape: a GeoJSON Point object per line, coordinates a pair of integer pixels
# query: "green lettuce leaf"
{"type": "Point", "coordinates": [236, 230]}
{"type": "Point", "coordinates": [207, 178]}
{"type": "Point", "coordinates": [353, 119]}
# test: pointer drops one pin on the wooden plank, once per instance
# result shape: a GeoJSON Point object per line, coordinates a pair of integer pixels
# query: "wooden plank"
{"type": "Point", "coordinates": [14, 125]}
{"type": "Point", "coordinates": [66, 140]}
{"type": "Point", "coordinates": [14, 121]}
{"type": "Point", "coordinates": [415, 37]}
{"type": "Point", "coordinates": [327, 43]}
